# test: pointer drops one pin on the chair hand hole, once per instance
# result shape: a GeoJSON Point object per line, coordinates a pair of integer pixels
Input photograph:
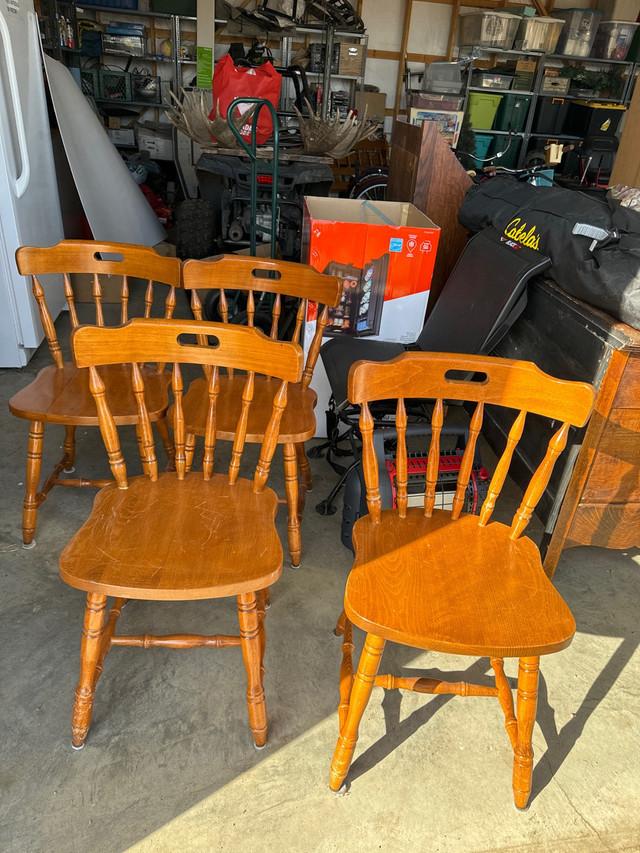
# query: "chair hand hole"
{"type": "Point", "coordinates": [464, 376]}
{"type": "Point", "coordinates": [187, 339]}
{"type": "Point", "coordinates": [109, 257]}
{"type": "Point", "coordinates": [272, 274]}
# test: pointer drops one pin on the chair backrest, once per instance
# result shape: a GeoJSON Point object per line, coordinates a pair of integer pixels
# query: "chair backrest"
{"type": "Point", "coordinates": [228, 346]}
{"type": "Point", "coordinates": [91, 257]}
{"type": "Point", "coordinates": [258, 276]}
{"type": "Point", "coordinates": [483, 296]}
{"type": "Point", "coordinates": [517, 385]}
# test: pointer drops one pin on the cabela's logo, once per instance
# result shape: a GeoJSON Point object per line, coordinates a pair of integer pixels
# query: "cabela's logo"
{"type": "Point", "coordinates": [517, 230]}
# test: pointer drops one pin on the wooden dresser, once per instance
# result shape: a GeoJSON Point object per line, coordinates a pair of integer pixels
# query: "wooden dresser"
{"type": "Point", "coordinates": [594, 499]}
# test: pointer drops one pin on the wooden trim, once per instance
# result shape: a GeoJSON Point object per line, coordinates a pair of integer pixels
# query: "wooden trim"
{"type": "Point", "coordinates": [408, 6]}
{"type": "Point", "coordinates": [453, 27]}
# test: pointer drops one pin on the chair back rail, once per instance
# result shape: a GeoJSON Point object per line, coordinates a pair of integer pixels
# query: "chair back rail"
{"type": "Point", "coordinates": [261, 275]}
{"type": "Point", "coordinates": [477, 379]}
{"type": "Point", "coordinates": [228, 346]}
{"type": "Point", "coordinates": [97, 258]}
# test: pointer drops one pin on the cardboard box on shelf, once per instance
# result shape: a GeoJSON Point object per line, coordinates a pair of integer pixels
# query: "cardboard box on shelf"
{"type": "Point", "coordinates": [385, 253]}
{"type": "Point", "coordinates": [351, 59]}
{"type": "Point", "coordinates": [155, 138]}
{"type": "Point", "coordinates": [375, 104]}
{"type": "Point", "coordinates": [122, 136]}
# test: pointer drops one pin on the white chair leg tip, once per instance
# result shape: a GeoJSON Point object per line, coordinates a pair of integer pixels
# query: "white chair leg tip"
{"type": "Point", "coordinates": [77, 748]}
{"type": "Point", "coordinates": [28, 547]}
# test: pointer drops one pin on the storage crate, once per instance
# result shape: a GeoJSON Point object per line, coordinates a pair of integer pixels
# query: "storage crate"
{"type": "Point", "coordinates": [123, 45]}
{"type": "Point", "coordinates": [614, 39]}
{"type": "Point", "coordinates": [89, 82]}
{"type": "Point", "coordinates": [434, 101]}
{"type": "Point", "coordinates": [482, 110]}
{"type": "Point", "coordinates": [492, 80]}
{"type": "Point", "coordinates": [510, 157]}
{"type": "Point", "coordinates": [590, 118]}
{"type": "Point", "coordinates": [488, 29]}
{"type": "Point", "coordinates": [146, 87]}
{"type": "Point", "coordinates": [442, 77]}
{"type": "Point", "coordinates": [114, 85]}
{"type": "Point", "coordinates": [579, 30]}
{"type": "Point", "coordinates": [512, 112]}
{"type": "Point", "coordinates": [555, 85]}
{"type": "Point", "coordinates": [351, 58]}
{"type": "Point", "coordinates": [550, 115]}
{"type": "Point", "coordinates": [482, 144]}
{"type": "Point", "coordinates": [538, 34]}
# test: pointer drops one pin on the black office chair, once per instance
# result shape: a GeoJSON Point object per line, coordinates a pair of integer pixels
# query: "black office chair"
{"type": "Point", "coordinates": [480, 301]}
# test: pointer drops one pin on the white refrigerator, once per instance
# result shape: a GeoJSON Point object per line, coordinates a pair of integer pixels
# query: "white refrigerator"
{"type": "Point", "coordinates": [29, 203]}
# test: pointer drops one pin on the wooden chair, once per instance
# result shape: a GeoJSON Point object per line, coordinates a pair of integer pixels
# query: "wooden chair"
{"type": "Point", "coordinates": [280, 279]}
{"type": "Point", "coordinates": [60, 392]}
{"type": "Point", "coordinates": [179, 535]}
{"type": "Point", "coordinates": [444, 580]}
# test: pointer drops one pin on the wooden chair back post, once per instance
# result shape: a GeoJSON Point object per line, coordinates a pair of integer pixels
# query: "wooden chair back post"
{"type": "Point", "coordinates": [440, 376]}
{"type": "Point", "coordinates": [233, 347]}
{"type": "Point", "coordinates": [263, 275]}
{"type": "Point", "coordinates": [97, 258]}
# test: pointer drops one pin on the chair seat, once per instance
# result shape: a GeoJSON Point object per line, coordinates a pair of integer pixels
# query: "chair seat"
{"type": "Point", "coordinates": [61, 395]}
{"type": "Point", "coordinates": [452, 586]}
{"type": "Point", "coordinates": [298, 420]}
{"type": "Point", "coordinates": [176, 539]}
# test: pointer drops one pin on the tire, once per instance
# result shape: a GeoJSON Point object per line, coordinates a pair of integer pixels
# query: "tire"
{"type": "Point", "coordinates": [195, 230]}
{"type": "Point", "coordinates": [371, 187]}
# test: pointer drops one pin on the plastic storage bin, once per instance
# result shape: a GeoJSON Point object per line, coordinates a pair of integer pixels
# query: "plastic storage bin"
{"type": "Point", "coordinates": [488, 29]}
{"type": "Point", "coordinates": [492, 80]}
{"type": "Point", "coordinates": [482, 110]}
{"type": "Point", "coordinates": [550, 115]}
{"type": "Point", "coordinates": [579, 31]}
{"type": "Point", "coordinates": [512, 112]}
{"type": "Point", "coordinates": [538, 34]}
{"type": "Point", "coordinates": [482, 144]}
{"type": "Point", "coordinates": [614, 39]}
{"type": "Point", "coordinates": [442, 77]}
{"type": "Point", "coordinates": [590, 118]}
{"type": "Point", "coordinates": [511, 147]}
{"type": "Point", "coordinates": [431, 101]}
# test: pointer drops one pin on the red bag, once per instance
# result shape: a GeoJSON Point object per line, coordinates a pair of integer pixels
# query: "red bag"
{"type": "Point", "coordinates": [231, 81]}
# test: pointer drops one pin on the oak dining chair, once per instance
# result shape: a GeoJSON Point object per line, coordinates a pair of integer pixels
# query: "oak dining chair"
{"type": "Point", "coordinates": [444, 580]}
{"type": "Point", "coordinates": [275, 291]}
{"type": "Point", "coordinates": [180, 535]}
{"type": "Point", "coordinates": [60, 392]}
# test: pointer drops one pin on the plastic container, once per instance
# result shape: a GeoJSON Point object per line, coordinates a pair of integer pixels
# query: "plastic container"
{"type": "Point", "coordinates": [511, 147]}
{"type": "Point", "coordinates": [538, 34]}
{"type": "Point", "coordinates": [488, 29]}
{"type": "Point", "coordinates": [579, 31]}
{"type": "Point", "coordinates": [482, 110]}
{"type": "Point", "coordinates": [550, 115]}
{"type": "Point", "coordinates": [512, 112]}
{"type": "Point", "coordinates": [590, 118]}
{"type": "Point", "coordinates": [442, 77]}
{"type": "Point", "coordinates": [633, 54]}
{"type": "Point", "coordinates": [482, 144]}
{"type": "Point", "coordinates": [614, 39]}
{"type": "Point", "coordinates": [431, 101]}
{"type": "Point", "coordinates": [492, 80]}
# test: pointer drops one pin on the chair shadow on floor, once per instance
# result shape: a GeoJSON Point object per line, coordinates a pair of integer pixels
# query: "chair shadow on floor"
{"type": "Point", "coordinates": [579, 586]}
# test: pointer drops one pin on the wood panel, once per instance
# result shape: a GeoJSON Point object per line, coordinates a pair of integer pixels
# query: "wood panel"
{"type": "Point", "coordinates": [628, 396]}
{"type": "Point", "coordinates": [424, 171]}
{"type": "Point", "coordinates": [605, 525]}
{"type": "Point", "coordinates": [615, 473]}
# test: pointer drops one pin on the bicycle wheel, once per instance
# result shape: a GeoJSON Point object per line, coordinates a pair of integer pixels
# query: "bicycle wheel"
{"type": "Point", "coordinates": [371, 187]}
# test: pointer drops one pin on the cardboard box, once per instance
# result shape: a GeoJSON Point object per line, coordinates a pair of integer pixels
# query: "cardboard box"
{"type": "Point", "coordinates": [385, 253]}
{"type": "Point", "coordinates": [375, 104]}
{"type": "Point", "coordinates": [626, 167]}
{"type": "Point", "coordinates": [122, 136]}
{"type": "Point", "coordinates": [351, 59]}
{"type": "Point", "coordinates": [555, 85]}
{"type": "Point", "coordinates": [156, 139]}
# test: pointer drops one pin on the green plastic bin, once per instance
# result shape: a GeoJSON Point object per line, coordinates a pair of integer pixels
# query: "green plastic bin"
{"type": "Point", "coordinates": [482, 110]}
{"type": "Point", "coordinates": [499, 143]}
{"type": "Point", "coordinates": [512, 112]}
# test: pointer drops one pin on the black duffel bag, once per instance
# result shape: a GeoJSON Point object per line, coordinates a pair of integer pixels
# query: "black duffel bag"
{"type": "Point", "coordinates": [604, 272]}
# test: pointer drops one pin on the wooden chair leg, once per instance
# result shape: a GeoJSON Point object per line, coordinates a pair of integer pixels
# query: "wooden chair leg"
{"type": "Point", "coordinates": [31, 501]}
{"type": "Point", "coordinates": [526, 704]}
{"type": "Point", "coordinates": [169, 447]}
{"type": "Point", "coordinates": [261, 605]}
{"type": "Point", "coordinates": [69, 448]}
{"type": "Point", "coordinates": [251, 652]}
{"type": "Point", "coordinates": [291, 489]}
{"type": "Point", "coordinates": [89, 657]}
{"type": "Point", "coordinates": [303, 465]}
{"type": "Point", "coordinates": [360, 692]}
{"type": "Point", "coordinates": [346, 671]}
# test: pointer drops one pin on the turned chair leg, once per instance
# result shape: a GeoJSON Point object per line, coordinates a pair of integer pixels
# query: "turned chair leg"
{"type": "Point", "coordinates": [89, 657]}
{"type": "Point", "coordinates": [261, 606]}
{"type": "Point", "coordinates": [252, 654]}
{"type": "Point", "coordinates": [303, 465]}
{"type": "Point", "coordinates": [360, 693]}
{"type": "Point", "coordinates": [169, 447]}
{"type": "Point", "coordinates": [291, 489]}
{"type": "Point", "coordinates": [69, 448]}
{"type": "Point", "coordinates": [526, 704]}
{"type": "Point", "coordinates": [31, 501]}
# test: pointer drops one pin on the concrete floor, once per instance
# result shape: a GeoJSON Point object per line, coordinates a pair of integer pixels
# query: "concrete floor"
{"type": "Point", "coordinates": [169, 763]}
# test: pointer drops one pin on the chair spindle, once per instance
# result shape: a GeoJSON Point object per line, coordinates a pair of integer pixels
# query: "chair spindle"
{"type": "Point", "coordinates": [178, 422]}
{"type": "Point", "coordinates": [241, 429]}
{"type": "Point", "coordinates": [210, 428]}
{"type": "Point", "coordinates": [433, 460]}
{"type": "Point", "coordinates": [466, 465]}
{"type": "Point", "coordinates": [401, 459]}
{"type": "Point", "coordinates": [145, 435]}
{"type": "Point", "coordinates": [270, 439]}
{"type": "Point", "coordinates": [108, 429]}
{"type": "Point", "coordinates": [502, 469]}
{"type": "Point", "coordinates": [148, 299]}
{"type": "Point", "coordinates": [124, 300]}
{"type": "Point", "coordinates": [71, 302]}
{"type": "Point", "coordinates": [47, 323]}
{"type": "Point", "coordinates": [97, 298]}
{"type": "Point", "coordinates": [370, 464]}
